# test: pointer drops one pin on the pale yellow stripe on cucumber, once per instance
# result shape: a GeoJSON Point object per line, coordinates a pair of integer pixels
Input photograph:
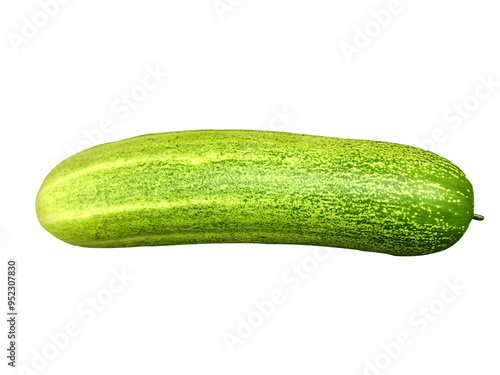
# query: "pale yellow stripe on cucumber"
{"type": "Point", "coordinates": [57, 179]}
{"type": "Point", "coordinates": [72, 215]}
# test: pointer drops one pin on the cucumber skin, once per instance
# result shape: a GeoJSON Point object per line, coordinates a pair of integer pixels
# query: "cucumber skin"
{"type": "Point", "coordinates": [233, 186]}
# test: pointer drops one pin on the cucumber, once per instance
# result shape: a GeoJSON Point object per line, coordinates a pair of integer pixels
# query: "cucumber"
{"type": "Point", "coordinates": [234, 186]}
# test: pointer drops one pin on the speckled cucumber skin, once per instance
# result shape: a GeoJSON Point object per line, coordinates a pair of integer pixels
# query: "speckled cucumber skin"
{"type": "Point", "coordinates": [230, 186]}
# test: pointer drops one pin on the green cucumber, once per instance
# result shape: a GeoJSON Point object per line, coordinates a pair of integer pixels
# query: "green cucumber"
{"type": "Point", "coordinates": [233, 186]}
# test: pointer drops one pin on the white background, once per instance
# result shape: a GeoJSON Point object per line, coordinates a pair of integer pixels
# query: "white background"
{"type": "Point", "coordinates": [240, 68]}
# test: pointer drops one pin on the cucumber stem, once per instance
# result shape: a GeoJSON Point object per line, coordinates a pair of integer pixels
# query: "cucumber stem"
{"type": "Point", "coordinates": [478, 217]}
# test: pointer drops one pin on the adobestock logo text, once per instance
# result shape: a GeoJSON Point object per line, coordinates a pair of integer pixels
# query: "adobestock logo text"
{"type": "Point", "coordinates": [31, 26]}
{"type": "Point", "coordinates": [456, 115]}
{"type": "Point", "coordinates": [121, 108]}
